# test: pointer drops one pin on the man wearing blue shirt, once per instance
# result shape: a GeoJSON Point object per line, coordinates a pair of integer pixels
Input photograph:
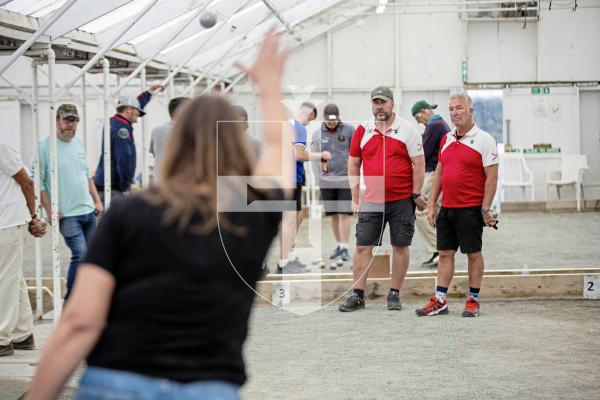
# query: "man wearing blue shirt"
{"type": "Point", "coordinates": [78, 200]}
{"type": "Point", "coordinates": [288, 262]}
{"type": "Point", "coordinates": [122, 143]}
{"type": "Point", "coordinates": [435, 129]}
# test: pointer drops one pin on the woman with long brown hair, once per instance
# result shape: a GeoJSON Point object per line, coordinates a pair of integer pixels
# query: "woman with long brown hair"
{"type": "Point", "coordinates": [160, 307]}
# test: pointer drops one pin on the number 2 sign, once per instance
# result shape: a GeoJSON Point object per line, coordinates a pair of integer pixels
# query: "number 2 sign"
{"type": "Point", "coordinates": [591, 287]}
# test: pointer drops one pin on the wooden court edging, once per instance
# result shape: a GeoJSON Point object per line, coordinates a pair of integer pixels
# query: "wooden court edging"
{"type": "Point", "coordinates": [497, 285]}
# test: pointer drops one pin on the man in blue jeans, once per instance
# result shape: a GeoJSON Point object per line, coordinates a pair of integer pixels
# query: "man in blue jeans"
{"type": "Point", "coordinates": [78, 200]}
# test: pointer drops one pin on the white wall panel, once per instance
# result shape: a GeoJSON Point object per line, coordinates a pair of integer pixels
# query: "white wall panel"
{"type": "Point", "coordinates": [589, 103]}
{"type": "Point", "coordinates": [502, 52]}
{"type": "Point", "coordinates": [545, 118]}
{"type": "Point", "coordinates": [432, 48]}
{"type": "Point", "coordinates": [10, 112]}
{"type": "Point", "coordinates": [569, 45]}
{"type": "Point", "coordinates": [363, 56]}
{"type": "Point", "coordinates": [306, 66]}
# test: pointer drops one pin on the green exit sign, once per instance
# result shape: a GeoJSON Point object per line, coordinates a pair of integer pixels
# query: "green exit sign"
{"type": "Point", "coordinates": [539, 90]}
{"type": "Point", "coordinates": [464, 72]}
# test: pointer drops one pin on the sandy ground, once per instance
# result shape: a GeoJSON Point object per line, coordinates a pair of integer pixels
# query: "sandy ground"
{"type": "Point", "coordinates": [514, 350]}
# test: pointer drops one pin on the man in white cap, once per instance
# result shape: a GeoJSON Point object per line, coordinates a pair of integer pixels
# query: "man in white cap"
{"type": "Point", "coordinates": [122, 144]}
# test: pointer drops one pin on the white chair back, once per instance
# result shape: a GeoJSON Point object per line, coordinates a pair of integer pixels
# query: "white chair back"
{"type": "Point", "coordinates": [571, 167]}
{"type": "Point", "coordinates": [514, 168]}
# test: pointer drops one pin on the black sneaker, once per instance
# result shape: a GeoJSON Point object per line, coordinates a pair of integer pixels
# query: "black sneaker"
{"type": "Point", "coordinates": [27, 344]}
{"type": "Point", "coordinates": [393, 300]}
{"type": "Point", "coordinates": [352, 303]}
{"type": "Point", "coordinates": [335, 254]}
{"type": "Point", "coordinates": [7, 350]}
{"type": "Point", "coordinates": [344, 255]}
{"type": "Point", "coordinates": [432, 262]}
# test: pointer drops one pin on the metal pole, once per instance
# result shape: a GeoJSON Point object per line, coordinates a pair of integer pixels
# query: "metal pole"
{"type": "Point", "coordinates": [107, 47]}
{"type": "Point", "coordinates": [84, 113]}
{"type": "Point", "coordinates": [135, 72]}
{"type": "Point", "coordinates": [219, 80]}
{"type": "Point", "coordinates": [223, 56]}
{"type": "Point", "coordinates": [398, 91]}
{"type": "Point", "coordinates": [25, 46]}
{"type": "Point", "coordinates": [144, 132]}
{"type": "Point", "coordinates": [209, 69]}
{"type": "Point", "coordinates": [192, 54]}
{"type": "Point", "coordinates": [234, 82]}
{"type": "Point", "coordinates": [106, 135]}
{"type": "Point", "coordinates": [19, 91]}
{"type": "Point", "coordinates": [35, 124]}
{"type": "Point", "coordinates": [54, 188]}
{"type": "Point", "coordinates": [192, 91]}
{"type": "Point", "coordinates": [330, 67]}
{"type": "Point", "coordinates": [172, 89]}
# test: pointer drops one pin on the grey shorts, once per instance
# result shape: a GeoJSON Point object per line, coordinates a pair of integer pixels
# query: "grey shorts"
{"type": "Point", "coordinates": [373, 218]}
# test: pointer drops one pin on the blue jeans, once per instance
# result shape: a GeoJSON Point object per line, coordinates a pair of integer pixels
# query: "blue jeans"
{"type": "Point", "coordinates": [77, 231]}
{"type": "Point", "coordinates": [104, 384]}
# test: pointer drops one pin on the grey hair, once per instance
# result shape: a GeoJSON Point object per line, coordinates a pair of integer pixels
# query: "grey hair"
{"type": "Point", "coordinates": [463, 96]}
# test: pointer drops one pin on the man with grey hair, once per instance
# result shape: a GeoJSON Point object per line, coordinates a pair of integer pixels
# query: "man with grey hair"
{"type": "Point", "coordinates": [467, 173]}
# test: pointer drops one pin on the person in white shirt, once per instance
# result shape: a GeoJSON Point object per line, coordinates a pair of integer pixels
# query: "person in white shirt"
{"type": "Point", "coordinates": [17, 213]}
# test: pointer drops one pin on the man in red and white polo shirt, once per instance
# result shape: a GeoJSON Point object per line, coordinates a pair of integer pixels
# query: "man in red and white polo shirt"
{"type": "Point", "coordinates": [467, 173]}
{"type": "Point", "coordinates": [390, 151]}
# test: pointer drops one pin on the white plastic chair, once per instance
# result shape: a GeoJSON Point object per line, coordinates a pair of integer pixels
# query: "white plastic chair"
{"type": "Point", "coordinates": [515, 173]}
{"type": "Point", "coordinates": [571, 171]}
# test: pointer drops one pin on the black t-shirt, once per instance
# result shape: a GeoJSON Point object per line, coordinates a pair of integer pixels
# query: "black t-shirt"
{"type": "Point", "coordinates": [179, 309]}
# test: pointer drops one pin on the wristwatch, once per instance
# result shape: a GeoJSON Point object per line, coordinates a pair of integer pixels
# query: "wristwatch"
{"type": "Point", "coordinates": [416, 195]}
{"type": "Point", "coordinates": [484, 210]}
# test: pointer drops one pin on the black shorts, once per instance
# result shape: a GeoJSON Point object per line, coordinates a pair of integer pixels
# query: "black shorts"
{"type": "Point", "coordinates": [371, 224]}
{"type": "Point", "coordinates": [337, 201]}
{"type": "Point", "coordinates": [460, 227]}
{"type": "Point", "coordinates": [298, 196]}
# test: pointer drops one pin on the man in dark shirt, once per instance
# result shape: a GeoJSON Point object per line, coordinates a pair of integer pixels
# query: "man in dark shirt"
{"type": "Point", "coordinates": [435, 129]}
{"type": "Point", "coordinates": [122, 145]}
{"type": "Point", "coordinates": [335, 137]}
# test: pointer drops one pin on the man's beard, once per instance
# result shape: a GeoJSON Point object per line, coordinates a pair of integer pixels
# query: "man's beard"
{"type": "Point", "coordinates": [383, 116]}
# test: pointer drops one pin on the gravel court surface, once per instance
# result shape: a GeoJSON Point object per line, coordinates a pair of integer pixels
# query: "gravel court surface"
{"type": "Point", "coordinates": [533, 350]}
{"type": "Point", "coordinates": [513, 350]}
{"type": "Point", "coordinates": [535, 239]}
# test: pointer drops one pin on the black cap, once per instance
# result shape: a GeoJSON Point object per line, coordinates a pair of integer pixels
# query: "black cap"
{"type": "Point", "coordinates": [331, 112]}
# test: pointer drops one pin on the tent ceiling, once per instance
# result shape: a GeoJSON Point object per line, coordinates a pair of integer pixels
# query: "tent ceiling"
{"type": "Point", "coordinates": [169, 34]}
